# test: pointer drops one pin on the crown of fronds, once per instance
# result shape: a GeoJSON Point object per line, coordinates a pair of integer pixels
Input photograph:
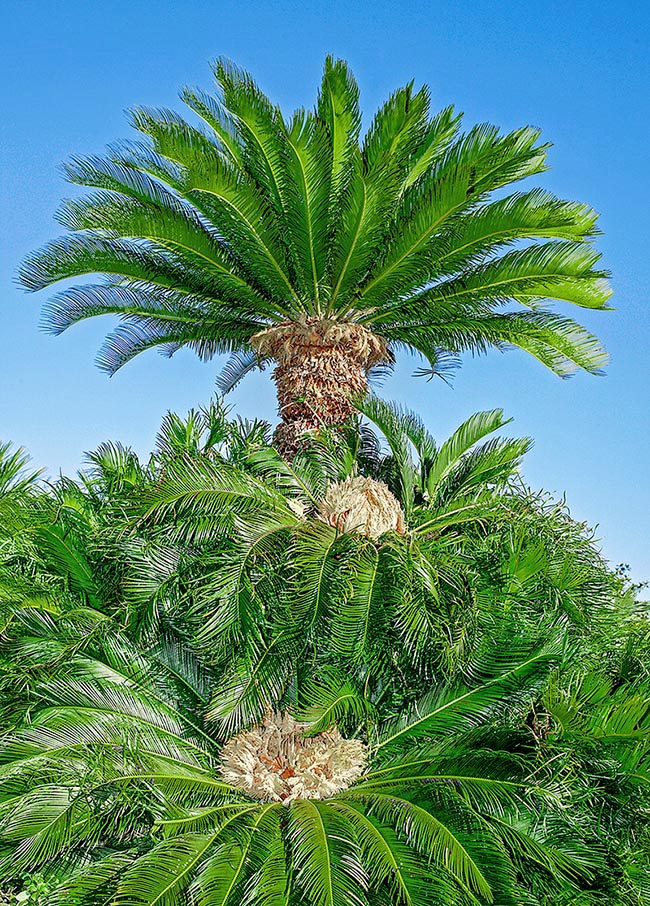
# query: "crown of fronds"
{"type": "Point", "coordinates": [209, 232]}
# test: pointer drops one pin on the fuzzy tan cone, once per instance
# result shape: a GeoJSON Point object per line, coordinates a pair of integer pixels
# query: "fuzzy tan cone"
{"type": "Point", "coordinates": [276, 761]}
{"type": "Point", "coordinates": [363, 505]}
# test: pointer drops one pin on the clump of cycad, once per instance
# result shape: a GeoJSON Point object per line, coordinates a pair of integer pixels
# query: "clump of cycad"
{"type": "Point", "coordinates": [299, 241]}
{"type": "Point", "coordinates": [398, 554]}
{"type": "Point", "coordinates": [119, 780]}
{"type": "Point", "coordinates": [155, 616]}
{"type": "Point", "coordinates": [252, 550]}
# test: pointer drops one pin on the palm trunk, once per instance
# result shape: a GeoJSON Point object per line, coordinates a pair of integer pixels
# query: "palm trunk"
{"type": "Point", "coordinates": [321, 366]}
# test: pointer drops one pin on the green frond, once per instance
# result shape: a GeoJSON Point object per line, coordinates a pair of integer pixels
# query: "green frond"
{"type": "Point", "coordinates": [270, 883]}
{"type": "Point", "coordinates": [175, 139]}
{"type": "Point", "coordinates": [322, 561]}
{"type": "Point", "coordinates": [230, 873]}
{"type": "Point", "coordinates": [306, 477]}
{"type": "Point", "coordinates": [334, 700]}
{"type": "Point", "coordinates": [536, 214]}
{"type": "Point", "coordinates": [308, 209]}
{"type": "Point", "coordinates": [182, 669]}
{"type": "Point", "coordinates": [490, 465]}
{"type": "Point", "coordinates": [163, 876]}
{"type": "Point", "coordinates": [201, 492]}
{"type": "Point", "coordinates": [172, 311]}
{"type": "Point", "coordinates": [117, 172]}
{"type": "Point", "coordinates": [245, 223]}
{"type": "Point", "coordinates": [259, 126]}
{"type": "Point", "coordinates": [173, 227]}
{"type": "Point", "coordinates": [523, 846]}
{"type": "Point", "coordinates": [66, 550]}
{"type": "Point", "coordinates": [236, 368]}
{"type": "Point", "coordinates": [392, 863]}
{"type": "Point", "coordinates": [141, 155]}
{"type": "Point", "coordinates": [397, 129]}
{"type": "Point", "coordinates": [88, 253]}
{"type": "Point", "coordinates": [474, 165]}
{"type": "Point", "coordinates": [118, 179]}
{"type": "Point", "coordinates": [351, 623]}
{"type": "Point", "coordinates": [212, 185]}
{"type": "Point", "coordinates": [253, 685]}
{"type": "Point", "coordinates": [220, 121]}
{"type": "Point", "coordinates": [446, 711]}
{"type": "Point", "coordinates": [557, 342]}
{"type": "Point", "coordinates": [115, 467]}
{"type": "Point", "coordinates": [365, 213]}
{"type": "Point", "coordinates": [430, 837]}
{"type": "Point", "coordinates": [325, 855]}
{"type": "Point", "coordinates": [241, 585]}
{"type": "Point", "coordinates": [410, 593]}
{"type": "Point", "coordinates": [392, 422]}
{"type": "Point", "coordinates": [92, 882]}
{"type": "Point", "coordinates": [436, 137]}
{"type": "Point", "coordinates": [550, 270]}
{"type": "Point", "coordinates": [178, 436]}
{"type": "Point", "coordinates": [402, 429]}
{"type": "Point", "coordinates": [338, 108]}
{"type": "Point", "coordinates": [15, 479]}
{"type": "Point", "coordinates": [475, 428]}
{"type": "Point", "coordinates": [145, 327]}
{"type": "Point", "coordinates": [44, 823]}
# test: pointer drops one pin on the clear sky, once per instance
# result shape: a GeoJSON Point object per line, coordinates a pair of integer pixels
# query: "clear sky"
{"type": "Point", "coordinates": [578, 70]}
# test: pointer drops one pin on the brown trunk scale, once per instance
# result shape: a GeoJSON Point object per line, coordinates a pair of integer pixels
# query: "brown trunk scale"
{"type": "Point", "coordinates": [320, 366]}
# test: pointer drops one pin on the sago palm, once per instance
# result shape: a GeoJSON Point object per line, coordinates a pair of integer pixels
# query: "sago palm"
{"type": "Point", "coordinates": [314, 550]}
{"type": "Point", "coordinates": [299, 241]}
{"type": "Point", "coordinates": [220, 538]}
{"type": "Point", "coordinates": [272, 559]}
{"type": "Point", "coordinates": [144, 764]}
{"type": "Point", "coordinates": [117, 783]}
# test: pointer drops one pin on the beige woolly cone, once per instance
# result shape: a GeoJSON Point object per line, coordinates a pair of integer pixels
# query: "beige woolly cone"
{"type": "Point", "coordinates": [321, 365]}
{"type": "Point", "coordinates": [362, 505]}
{"type": "Point", "coordinates": [276, 761]}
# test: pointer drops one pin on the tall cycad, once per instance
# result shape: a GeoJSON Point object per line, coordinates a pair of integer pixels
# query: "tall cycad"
{"type": "Point", "coordinates": [299, 242]}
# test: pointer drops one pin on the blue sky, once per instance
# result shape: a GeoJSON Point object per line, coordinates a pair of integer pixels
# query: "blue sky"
{"type": "Point", "coordinates": [580, 71]}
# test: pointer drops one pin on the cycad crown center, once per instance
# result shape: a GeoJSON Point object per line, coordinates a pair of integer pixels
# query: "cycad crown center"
{"type": "Point", "coordinates": [277, 762]}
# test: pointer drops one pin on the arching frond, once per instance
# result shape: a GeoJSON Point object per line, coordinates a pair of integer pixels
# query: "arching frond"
{"type": "Point", "coordinates": [468, 707]}
{"type": "Point", "coordinates": [250, 220]}
{"type": "Point", "coordinates": [326, 856]}
{"type": "Point", "coordinates": [474, 429]}
{"type": "Point", "coordinates": [236, 368]}
{"type": "Point", "coordinates": [334, 700]}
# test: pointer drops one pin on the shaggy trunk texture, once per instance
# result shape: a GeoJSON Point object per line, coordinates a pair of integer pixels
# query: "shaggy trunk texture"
{"type": "Point", "coordinates": [321, 366]}
{"type": "Point", "coordinates": [276, 761]}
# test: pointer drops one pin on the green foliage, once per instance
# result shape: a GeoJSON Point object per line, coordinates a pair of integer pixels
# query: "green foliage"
{"type": "Point", "coordinates": [110, 774]}
{"type": "Point", "coordinates": [209, 232]}
{"type": "Point", "coordinates": [496, 669]}
{"type": "Point", "coordinates": [492, 669]}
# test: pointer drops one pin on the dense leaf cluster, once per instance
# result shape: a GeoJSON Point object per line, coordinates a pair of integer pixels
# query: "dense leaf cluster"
{"type": "Point", "coordinates": [207, 232]}
{"type": "Point", "coordinates": [495, 668]}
